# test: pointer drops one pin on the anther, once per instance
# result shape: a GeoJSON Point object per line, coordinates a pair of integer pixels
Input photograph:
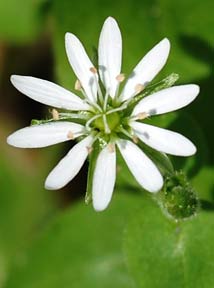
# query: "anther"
{"type": "Point", "coordinates": [142, 115]}
{"type": "Point", "coordinates": [70, 135]}
{"type": "Point", "coordinates": [120, 78]}
{"type": "Point", "coordinates": [77, 85]}
{"type": "Point", "coordinates": [90, 149]}
{"type": "Point", "coordinates": [55, 114]}
{"type": "Point", "coordinates": [93, 70]}
{"type": "Point", "coordinates": [111, 147]}
{"type": "Point", "coordinates": [139, 88]}
{"type": "Point", "coordinates": [135, 139]}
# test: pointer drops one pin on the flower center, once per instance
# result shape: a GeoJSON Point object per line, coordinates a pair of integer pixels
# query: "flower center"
{"type": "Point", "coordinates": [113, 120]}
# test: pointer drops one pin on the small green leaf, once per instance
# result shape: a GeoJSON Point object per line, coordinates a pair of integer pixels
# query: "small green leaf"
{"type": "Point", "coordinates": [162, 253]}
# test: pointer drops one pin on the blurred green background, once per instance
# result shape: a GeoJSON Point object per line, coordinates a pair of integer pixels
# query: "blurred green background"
{"type": "Point", "coordinates": [51, 239]}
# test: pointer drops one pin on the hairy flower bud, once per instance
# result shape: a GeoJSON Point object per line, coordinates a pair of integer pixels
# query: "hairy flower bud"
{"type": "Point", "coordinates": [178, 198]}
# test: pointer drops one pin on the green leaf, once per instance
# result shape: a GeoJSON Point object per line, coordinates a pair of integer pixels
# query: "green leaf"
{"type": "Point", "coordinates": [162, 253]}
{"type": "Point", "coordinates": [81, 248]}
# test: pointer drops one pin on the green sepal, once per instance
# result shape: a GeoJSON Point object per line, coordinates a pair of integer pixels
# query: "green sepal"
{"type": "Point", "coordinates": [39, 122]}
{"type": "Point", "coordinates": [80, 118]}
{"type": "Point", "coordinates": [153, 88]}
{"type": "Point", "coordinates": [167, 82]}
{"type": "Point", "coordinates": [92, 163]}
{"type": "Point", "coordinates": [160, 159]}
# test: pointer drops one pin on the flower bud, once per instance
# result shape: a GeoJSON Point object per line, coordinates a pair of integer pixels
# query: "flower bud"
{"type": "Point", "coordinates": [178, 198]}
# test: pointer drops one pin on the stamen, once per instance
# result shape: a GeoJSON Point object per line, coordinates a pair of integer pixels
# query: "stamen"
{"type": "Point", "coordinates": [125, 132]}
{"type": "Point", "coordinates": [139, 88]}
{"type": "Point", "coordinates": [142, 115]}
{"type": "Point", "coordinates": [90, 149]}
{"type": "Point", "coordinates": [70, 135]}
{"type": "Point", "coordinates": [135, 139]}
{"type": "Point", "coordinates": [105, 100]}
{"type": "Point", "coordinates": [91, 103]}
{"type": "Point", "coordinates": [106, 127]}
{"type": "Point", "coordinates": [55, 114]}
{"type": "Point", "coordinates": [120, 78]}
{"type": "Point", "coordinates": [77, 85]}
{"type": "Point", "coordinates": [111, 147]}
{"type": "Point", "coordinates": [93, 70]}
{"type": "Point", "coordinates": [122, 107]}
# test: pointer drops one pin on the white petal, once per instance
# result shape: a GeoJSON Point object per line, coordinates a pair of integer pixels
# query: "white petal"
{"type": "Point", "coordinates": [104, 179]}
{"type": "Point", "coordinates": [142, 168]}
{"type": "Point", "coordinates": [69, 166]}
{"type": "Point", "coordinates": [81, 65]}
{"type": "Point", "coordinates": [48, 93]}
{"type": "Point", "coordinates": [45, 134]}
{"type": "Point", "coordinates": [147, 68]}
{"type": "Point", "coordinates": [167, 100]}
{"type": "Point", "coordinates": [164, 140]}
{"type": "Point", "coordinates": [110, 55]}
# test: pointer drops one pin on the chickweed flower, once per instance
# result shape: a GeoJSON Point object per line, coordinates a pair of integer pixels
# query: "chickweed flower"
{"type": "Point", "coordinates": [106, 118]}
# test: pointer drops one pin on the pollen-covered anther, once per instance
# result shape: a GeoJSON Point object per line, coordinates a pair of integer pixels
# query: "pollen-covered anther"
{"type": "Point", "coordinates": [90, 149]}
{"type": "Point", "coordinates": [135, 139]}
{"type": "Point", "coordinates": [142, 115]}
{"type": "Point", "coordinates": [55, 114]}
{"type": "Point", "coordinates": [111, 147]}
{"type": "Point", "coordinates": [138, 88]}
{"type": "Point", "coordinates": [70, 135]}
{"type": "Point", "coordinates": [120, 78]}
{"type": "Point", "coordinates": [77, 85]}
{"type": "Point", "coordinates": [93, 70]}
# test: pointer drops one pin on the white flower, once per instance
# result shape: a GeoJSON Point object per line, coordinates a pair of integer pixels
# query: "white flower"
{"type": "Point", "coordinates": [104, 114]}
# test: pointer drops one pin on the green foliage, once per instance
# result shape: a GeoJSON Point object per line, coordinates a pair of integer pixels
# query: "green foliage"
{"type": "Point", "coordinates": [23, 204]}
{"type": "Point", "coordinates": [20, 21]}
{"type": "Point", "coordinates": [162, 253]}
{"type": "Point", "coordinates": [80, 248]}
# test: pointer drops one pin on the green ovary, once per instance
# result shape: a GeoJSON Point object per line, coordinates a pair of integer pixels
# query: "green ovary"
{"type": "Point", "coordinates": [113, 121]}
